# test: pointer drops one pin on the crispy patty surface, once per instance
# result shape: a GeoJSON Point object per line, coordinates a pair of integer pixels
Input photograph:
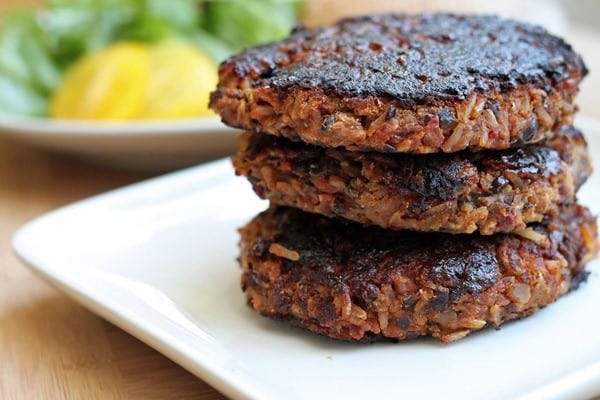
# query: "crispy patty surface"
{"type": "Point", "coordinates": [463, 192]}
{"type": "Point", "coordinates": [405, 83]}
{"type": "Point", "coordinates": [354, 283]}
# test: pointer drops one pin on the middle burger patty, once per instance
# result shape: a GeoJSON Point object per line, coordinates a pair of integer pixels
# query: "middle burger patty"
{"type": "Point", "coordinates": [463, 192]}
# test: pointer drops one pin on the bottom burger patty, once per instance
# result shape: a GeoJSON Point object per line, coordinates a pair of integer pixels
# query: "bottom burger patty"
{"type": "Point", "coordinates": [357, 283]}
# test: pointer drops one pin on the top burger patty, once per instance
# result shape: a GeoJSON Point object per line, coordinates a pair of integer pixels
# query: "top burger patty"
{"type": "Point", "coordinates": [401, 83]}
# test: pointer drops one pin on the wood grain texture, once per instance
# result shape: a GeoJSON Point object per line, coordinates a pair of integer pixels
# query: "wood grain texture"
{"type": "Point", "coordinates": [50, 347]}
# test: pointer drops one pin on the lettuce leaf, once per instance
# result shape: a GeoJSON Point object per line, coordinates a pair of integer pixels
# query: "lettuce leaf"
{"type": "Point", "coordinates": [242, 24]}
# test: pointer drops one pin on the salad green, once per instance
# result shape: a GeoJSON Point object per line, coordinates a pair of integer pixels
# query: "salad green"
{"type": "Point", "coordinates": [37, 46]}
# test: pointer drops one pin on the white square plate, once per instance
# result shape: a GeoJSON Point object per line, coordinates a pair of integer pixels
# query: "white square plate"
{"type": "Point", "coordinates": [158, 260]}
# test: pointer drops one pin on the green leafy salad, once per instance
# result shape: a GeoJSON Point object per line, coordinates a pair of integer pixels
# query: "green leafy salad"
{"type": "Point", "coordinates": [37, 47]}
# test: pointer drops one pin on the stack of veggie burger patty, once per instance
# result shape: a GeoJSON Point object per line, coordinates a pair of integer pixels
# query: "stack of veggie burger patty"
{"type": "Point", "coordinates": [422, 172]}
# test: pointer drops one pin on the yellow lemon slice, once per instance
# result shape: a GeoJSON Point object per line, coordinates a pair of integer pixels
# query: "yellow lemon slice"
{"type": "Point", "coordinates": [110, 84]}
{"type": "Point", "coordinates": [182, 79]}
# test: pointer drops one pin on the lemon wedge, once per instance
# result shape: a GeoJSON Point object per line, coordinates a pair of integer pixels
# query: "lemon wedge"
{"type": "Point", "coordinates": [171, 79]}
{"type": "Point", "coordinates": [182, 79]}
{"type": "Point", "coordinates": [107, 85]}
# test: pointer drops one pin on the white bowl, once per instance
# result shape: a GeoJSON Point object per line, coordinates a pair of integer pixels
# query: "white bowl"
{"type": "Point", "coordinates": [155, 145]}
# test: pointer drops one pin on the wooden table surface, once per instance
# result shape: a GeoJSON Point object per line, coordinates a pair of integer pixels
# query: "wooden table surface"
{"type": "Point", "coordinates": [50, 347]}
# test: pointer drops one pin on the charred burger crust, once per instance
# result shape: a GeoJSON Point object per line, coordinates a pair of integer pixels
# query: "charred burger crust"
{"type": "Point", "coordinates": [459, 193]}
{"type": "Point", "coordinates": [354, 283]}
{"type": "Point", "coordinates": [398, 83]}
{"type": "Point", "coordinates": [422, 59]}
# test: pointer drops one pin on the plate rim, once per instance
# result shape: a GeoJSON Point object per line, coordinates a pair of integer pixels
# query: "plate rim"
{"type": "Point", "coordinates": [203, 367]}
{"type": "Point", "coordinates": [80, 128]}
